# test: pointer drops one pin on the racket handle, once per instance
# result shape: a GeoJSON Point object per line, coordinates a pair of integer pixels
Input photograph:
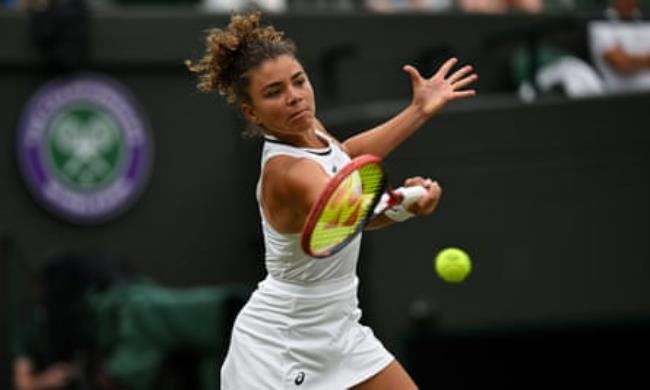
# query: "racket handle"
{"type": "Point", "coordinates": [410, 194]}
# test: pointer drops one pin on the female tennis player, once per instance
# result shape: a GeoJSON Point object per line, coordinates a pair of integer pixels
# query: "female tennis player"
{"type": "Point", "coordinates": [300, 328]}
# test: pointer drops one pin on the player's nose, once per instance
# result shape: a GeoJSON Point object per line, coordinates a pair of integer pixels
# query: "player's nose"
{"type": "Point", "coordinates": [293, 96]}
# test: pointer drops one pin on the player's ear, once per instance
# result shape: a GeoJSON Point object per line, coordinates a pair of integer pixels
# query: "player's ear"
{"type": "Point", "coordinates": [249, 113]}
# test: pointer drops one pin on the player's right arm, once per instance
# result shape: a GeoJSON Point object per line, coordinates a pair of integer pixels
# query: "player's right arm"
{"type": "Point", "coordinates": [425, 205]}
{"type": "Point", "coordinates": [290, 186]}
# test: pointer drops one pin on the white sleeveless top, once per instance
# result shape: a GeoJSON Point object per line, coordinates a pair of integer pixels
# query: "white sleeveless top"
{"type": "Point", "coordinates": [285, 260]}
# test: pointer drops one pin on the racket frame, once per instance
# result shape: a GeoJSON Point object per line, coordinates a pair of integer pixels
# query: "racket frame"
{"type": "Point", "coordinates": [317, 209]}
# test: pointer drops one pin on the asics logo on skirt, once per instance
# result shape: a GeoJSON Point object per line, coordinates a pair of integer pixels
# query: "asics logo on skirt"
{"type": "Point", "coordinates": [299, 378]}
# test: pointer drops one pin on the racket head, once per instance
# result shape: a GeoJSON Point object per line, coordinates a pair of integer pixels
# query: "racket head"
{"type": "Point", "coordinates": [344, 207]}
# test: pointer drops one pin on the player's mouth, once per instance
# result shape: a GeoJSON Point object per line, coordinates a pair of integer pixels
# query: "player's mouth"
{"type": "Point", "coordinates": [298, 115]}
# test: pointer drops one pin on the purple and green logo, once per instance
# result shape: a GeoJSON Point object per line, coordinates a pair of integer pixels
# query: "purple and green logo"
{"type": "Point", "coordinates": [84, 148]}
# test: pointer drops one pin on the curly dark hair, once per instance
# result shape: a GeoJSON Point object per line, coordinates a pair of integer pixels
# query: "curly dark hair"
{"type": "Point", "coordinates": [231, 53]}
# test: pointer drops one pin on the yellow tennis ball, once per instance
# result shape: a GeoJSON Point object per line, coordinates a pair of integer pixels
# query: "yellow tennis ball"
{"type": "Point", "coordinates": [453, 265]}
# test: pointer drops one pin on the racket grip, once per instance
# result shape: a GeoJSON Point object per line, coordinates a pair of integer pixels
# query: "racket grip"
{"type": "Point", "coordinates": [410, 194]}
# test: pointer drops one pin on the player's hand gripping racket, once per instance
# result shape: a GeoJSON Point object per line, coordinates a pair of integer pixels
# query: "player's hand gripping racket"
{"type": "Point", "coordinates": [352, 199]}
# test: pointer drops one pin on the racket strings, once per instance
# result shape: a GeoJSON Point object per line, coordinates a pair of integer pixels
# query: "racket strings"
{"type": "Point", "coordinates": [349, 206]}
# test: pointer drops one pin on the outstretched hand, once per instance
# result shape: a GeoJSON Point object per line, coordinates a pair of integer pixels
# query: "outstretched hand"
{"type": "Point", "coordinates": [431, 95]}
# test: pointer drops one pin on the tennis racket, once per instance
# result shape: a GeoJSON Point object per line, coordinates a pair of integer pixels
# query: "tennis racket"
{"type": "Point", "coordinates": [355, 196]}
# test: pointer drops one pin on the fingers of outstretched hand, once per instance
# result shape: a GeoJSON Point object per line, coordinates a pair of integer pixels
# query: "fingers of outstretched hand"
{"type": "Point", "coordinates": [462, 83]}
{"type": "Point", "coordinates": [462, 94]}
{"type": "Point", "coordinates": [446, 67]}
{"type": "Point", "coordinates": [460, 74]}
{"type": "Point", "coordinates": [413, 73]}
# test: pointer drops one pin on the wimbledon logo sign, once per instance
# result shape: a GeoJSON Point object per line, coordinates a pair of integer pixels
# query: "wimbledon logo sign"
{"type": "Point", "coordinates": [84, 148]}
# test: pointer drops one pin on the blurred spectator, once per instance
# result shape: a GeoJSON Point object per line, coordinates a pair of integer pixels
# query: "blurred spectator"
{"type": "Point", "coordinates": [475, 6]}
{"type": "Point", "coordinates": [551, 70]}
{"type": "Point", "coordinates": [501, 6]}
{"type": "Point", "coordinates": [272, 6]}
{"type": "Point", "coordinates": [54, 377]}
{"type": "Point", "coordinates": [620, 47]}
{"type": "Point", "coordinates": [97, 325]}
{"type": "Point", "coordinates": [55, 345]}
{"type": "Point", "coordinates": [529, 6]}
{"type": "Point", "coordinates": [483, 6]}
{"type": "Point", "coordinates": [386, 6]}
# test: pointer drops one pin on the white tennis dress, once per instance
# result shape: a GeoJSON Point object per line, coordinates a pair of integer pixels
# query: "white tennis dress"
{"type": "Point", "coordinates": [300, 329]}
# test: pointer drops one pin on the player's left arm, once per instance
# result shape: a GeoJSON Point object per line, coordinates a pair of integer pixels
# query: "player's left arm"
{"type": "Point", "coordinates": [430, 95]}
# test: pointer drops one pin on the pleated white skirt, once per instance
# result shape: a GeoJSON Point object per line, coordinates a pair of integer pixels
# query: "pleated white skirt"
{"type": "Point", "coordinates": [291, 336]}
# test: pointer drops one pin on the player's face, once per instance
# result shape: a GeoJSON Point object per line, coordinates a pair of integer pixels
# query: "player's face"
{"type": "Point", "coordinates": [281, 97]}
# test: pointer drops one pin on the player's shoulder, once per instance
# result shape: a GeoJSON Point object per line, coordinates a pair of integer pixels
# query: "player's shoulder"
{"type": "Point", "coordinates": [290, 180]}
{"type": "Point", "coordinates": [291, 171]}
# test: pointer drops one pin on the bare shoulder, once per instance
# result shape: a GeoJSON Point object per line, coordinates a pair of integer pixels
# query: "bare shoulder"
{"type": "Point", "coordinates": [291, 171]}
{"type": "Point", "coordinates": [290, 186]}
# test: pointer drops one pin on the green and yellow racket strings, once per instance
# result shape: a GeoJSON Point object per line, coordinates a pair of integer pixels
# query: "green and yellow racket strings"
{"type": "Point", "coordinates": [347, 207]}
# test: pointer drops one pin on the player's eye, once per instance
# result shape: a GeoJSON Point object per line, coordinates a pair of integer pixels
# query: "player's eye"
{"type": "Point", "coordinates": [272, 92]}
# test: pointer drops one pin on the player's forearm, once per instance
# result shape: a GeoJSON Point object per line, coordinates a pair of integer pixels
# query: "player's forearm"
{"type": "Point", "coordinates": [379, 222]}
{"type": "Point", "coordinates": [383, 139]}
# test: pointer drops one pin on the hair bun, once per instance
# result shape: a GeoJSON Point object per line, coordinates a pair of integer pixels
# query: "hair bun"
{"type": "Point", "coordinates": [230, 53]}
